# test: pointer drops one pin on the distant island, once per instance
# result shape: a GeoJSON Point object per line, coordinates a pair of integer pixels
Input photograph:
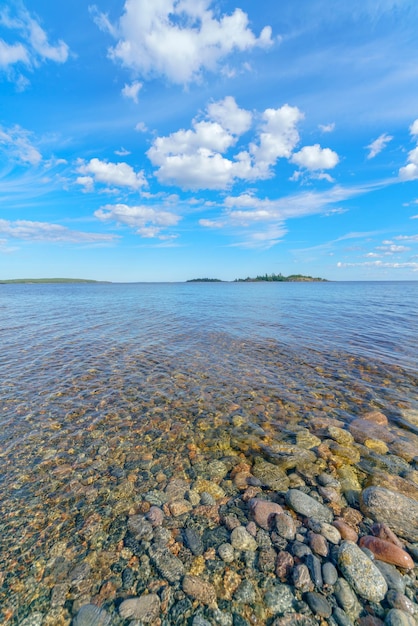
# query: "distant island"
{"type": "Point", "coordinates": [279, 278]}
{"type": "Point", "coordinates": [204, 280]}
{"type": "Point", "coordinates": [47, 280]}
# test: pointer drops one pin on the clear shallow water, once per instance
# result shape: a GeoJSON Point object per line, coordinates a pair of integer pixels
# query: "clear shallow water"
{"type": "Point", "coordinates": [95, 379]}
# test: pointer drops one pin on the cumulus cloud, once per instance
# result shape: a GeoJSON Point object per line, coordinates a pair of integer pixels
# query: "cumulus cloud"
{"type": "Point", "coordinates": [146, 221]}
{"type": "Point", "coordinates": [30, 46]}
{"type": "Point", "coordinates": [390, 249]}
{"type": "Point", "coordinates": [410, 171]}
{"type": "Point", "coordinates": [54, 233]}
{"type": "Point", "coordinates": [110, 174]}
{"type": "Point", "coordinates": [132, 91]}
{"type": "Point", "coordinates": [382, 264]}
{"type": "Point", "coordinates": [413, 129]}
{"type": "Point", "coordinates": [178, 39]}
{"type": "Point", "coordinates": [378, 145]}
{"type": "Point", "coordinates": [198, 157]}
{"type": "Point", "coordinates": [315, 158]}
{"type": "Point", "coordinates": [17, 145]}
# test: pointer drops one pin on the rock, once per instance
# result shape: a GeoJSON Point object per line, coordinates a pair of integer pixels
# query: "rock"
{"type": "Point", "coordinates": [267, 560]}
{"type": "Point", "coordinates": [199, 590]}
{"type": "Point", "coordinates": [280, 599]}
{"type": "Point", "coordinates": [263, 512]}
{"type": "Point", "coordinates": [284, 564]}
{"type": "Point", "coordinates": [331, 533]}
{"type": "Point", "coordinates": [387, 552]}
{"type": "Point", "coordinates": [270, 475]}
{"type": "Point", "coordinates": [176, 489]}
{"type": "Point", "coordinates": [91, 615]}
{"type": "Point", "coordinates": [318, 604]}
{"type": "Point", "coordinates": [384, 532]}
{"type": "Point", "coordinates": [180, 507]}
{"type": "Point", "coordinates": [242, 540]}
{"type": "Point", "coordinates": [361, 573]}
{"type": "Point", "coordinates": [287, 456]}
{"type": "Point", "coordinates": [193, 541]}
{"type": "Point", "coordinates": [34, 619]}
{"type": "Point", "coordinates": [391, 574]}
{"type": "Point", "coordinates": [395, 617]}
{"type": "Point", "coordinates": [245, 594]}
{"type": "Point", "coordinates": [210, 487]}
{"type": "Point", "coordinates": [394, 483]}
{"type": "Point", "coordinates": [347, 599]}
{"type": "Point", "coordinates": [301, 578]}
{"type": "Point", "coordinates": [313, 564]}
{"type": "Point", "coordinates": [377, 417]}
{"type": "Point", "coordinates": [140, 528]}
{"type": "Point", "coordinates": [349, 455]}
{"type": "Point", "coordinates": [145, 609]}
{"type": "Point", "coordinates": [294, 619]}
{"type": "Point", "coordinates": [329, 573]}
{"type": "Point", "coordinates": [226, 552]}
{"type": "Point", "coordinates": [285, 526]}
{"type": "Point", "coordinates": [370, 620]}
{"type": "Point", "coordinates": [168, 565]}
{"type": "Point", "coordinates": [394, 509]}
{"type": "Point", "coordinates": [363, 429]}
{"type": "Point", "coordinates": [318, 544]}
{"type": "Point", "coordinates": [155, 516]}
{"type": "Point", "coordinates": [346, 531]}
{"type": "Point", "coordinates": [341, 617]}
{"type": "Point", "coordinates": [400, 601]}
{"type": "Point", "coordinates": [308, 506]}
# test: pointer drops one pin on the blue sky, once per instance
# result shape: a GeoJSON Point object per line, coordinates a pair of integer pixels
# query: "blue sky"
{"type": "Point", "coordinates": [173, 139]}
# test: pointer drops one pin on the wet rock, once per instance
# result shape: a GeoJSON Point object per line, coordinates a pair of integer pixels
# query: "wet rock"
{"type": "Point", "coordinates": [91, 615]}
{"type": "Point", "coordinates": [330, 532]}
{"type": "Point", "coordinates": [347, 599]}
{"type": "Point", "coordinates": [294, 619]}
{"type": "Point", "coordinates": [201, 485]}
{"type": "Point", "coordinates": [169, 566]}
{"type": "Point", "coordinates": [285, 526]}
{"type": "Point", "coordinates": [199, 589]}
{"type": "Point", "coordinates": [370, 620]}
{"type": "Point", "coordinates": [145, 609]}
{"type": "Point", "coordinates": [395, 617]}
{"type": "Point", "coordinates": [341, 618]}
{"type": "Point", "coordinates": [377, 417]}
{"type": "Point", "coordinates": [394, 509]}
{"type": "Point", "coordinates": [176, 490]}
{"type": "Point", "coordinates": [140, 528]}
{"type": "Point", "coordinates": [242, 540]}
{"type": "Point", "coordinates": [279, 599]}
{"type": "Point", "coordinates": [287, 456]}
{"type": "Point", "coordinates": [263, 512]}
{"type": "Point", "coordinates": [318, 544]}
{"type": "Point", "coordinates": [301, 578]}
{"type": "Point", "coordinates": [393, 577]}
{"type": "Point", "coordinates": [362, 429]}
{"type": "Point", "coordinates": [180, 507]}
{"type": "Point", "coordinates": [34, 619]}
{"type": "Point", "coordinates": [284, 564]}
{"type": "Point", "coordinates": [300, 550]}
{"type": "Point", "coordinates": [329, 573]}
{"type": "Point", "coordinates": [400, 601]}
{"type": "Point", "coordinates": [155, 516]}
{"type": "Point", "coordinates": [387, 552]}
{"type": "Point", "coordinates": [226, 552]}
{"type": "Point", "coordinates": [314, 566]}
{"type": "Point", "coordinates": [308, 506]}
{"type": "Point", "coordinates": [384, 532]}
{"type": "Point", "coordinates": [245, 594]}
{"type": "Point", "coordinates": [346, 531]}
{"type": "Point", "coordinates": [361, 573]}
{"type": "Point", "coordinates": [270, 475]}
{"type": "Point", "coordinates": [193, 541]}
{"type": "Point", "coordinates": [267, 560]}
{"type": "Point", "coordinates": [318, 604]}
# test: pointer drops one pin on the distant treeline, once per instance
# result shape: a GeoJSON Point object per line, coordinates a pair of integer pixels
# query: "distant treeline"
{"type": "Point", "coordinates": [204, 280]}
{"type": "Point", "coordinates": [47, 280]}
{"type": "Point", "coordinates": [279, 278]}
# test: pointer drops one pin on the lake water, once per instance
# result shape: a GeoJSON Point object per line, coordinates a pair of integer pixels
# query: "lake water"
{"type": "Point", "coordinates": [109, 391]}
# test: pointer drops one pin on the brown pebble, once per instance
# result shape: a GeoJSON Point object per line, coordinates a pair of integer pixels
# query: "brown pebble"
{"type": "Point", "coordinates": [199, 590]}
{"type": "Point", "coordinates": [387, 552]}
{"type": "Point", "coordinates": [352, 517]}
{"type": "Point", "coordinates": [250, 493]}
{"type": "Point", "coordinates": [264, 511]}
{"type": "Point", "coordinates": [384, 532]}
{"type": "Point", "coordinates": [377, 417]}
{"type": "Point", "coordinates": [318, 544]}
{"type": "Point", "coordinates": [370, 620]}
{"type": "Point", "coordinates": [346, 531]}
{"type": "Point", "coordinates": [284, 565]}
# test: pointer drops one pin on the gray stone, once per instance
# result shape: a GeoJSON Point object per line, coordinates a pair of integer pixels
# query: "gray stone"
{"type": "Point", "coordinates": [168, 565]}
{"type": "Point", "coordinates": [397, 600]}
{"type": "Point", "coordinates": [242, 540]}
{"type": "Point", "coordinates": [361, 572]}
{"type": "Point", "coordinates": [279, 599]}
{"type": "Point", "coordinates": [270, 475]}
{"type": "Point", "coordinates": [394, 509]}
{"type": "Point", "coordinates": [198, 620]}
{"type": "Point", "coordinates": [145, 609]}
{"type": "Point", "coordinates": [392, 575]}
{"type": "Point", "coordinates": [245, 594]}
{"type": "Point", "coordinates": [318, 604]}
{"type": "Point", "coordinates": [395, 617]}
{"type": "Point", "coordinates": [222, 618]}
{"type": "Point", "coordinates": [34, 619]}
{"type": "Point", "coordinates": [140, 528]}
{"type": "Point", "coordinates": [91, 615]}
{"type": "Point", "coordinates": [341, 617]}
{"type": "Point", "coordinates": [347, 599]}
{"type": "Point", "coordinates": [329, 573]}
{"type": "Point", "coordinates": [313, 564]}
{"type": "Point", "coordinates": [285, 526]}
{"type": "Point", "coordinates": [193, 541]}
{"type": "Point", "coordinates": [302, 578]}
{"type": "Point", "coordinates": [308, 506]}
{"type": "Point", "coordinates": [226, 552]}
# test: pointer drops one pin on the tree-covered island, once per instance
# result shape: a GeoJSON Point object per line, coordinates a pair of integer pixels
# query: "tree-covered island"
{"type": "Point", "coordinates": [279, 278]}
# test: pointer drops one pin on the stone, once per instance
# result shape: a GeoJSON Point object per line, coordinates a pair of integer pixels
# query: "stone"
{"type": "Point", "coordinates": [140, 528]}
{"type": "Point", "coordinates": [363, 429]}
{"type": "Point", "coordinates": [392, 575]}
{"type": "Point", "coordinates": [267, 560]}
{"type": "Point", "coordinates": [377, 417]}
{"type": "Point", "coordinates": [318, 544]}
{"type": "Point", "coordinates": [329, 573]}
{"type": "Point", "coordinates": [242, 540]}
{"type": "Point", "coordinates": [387, 551]}
{"type": "Point", "coordinates": [176, 489]}
{"type": "Point", "coordinates": [395, 617]}
{"type": "Point", "coordinates": [270, 475]}
{"type": "Point", "coordinates": [91, 615]}
{"type": "Point", "coordinates": [341, 617]}
{"type": "Point", "coordinates": [346, 531]}
{"type": "Point", "coordinates": [288, 456]}
{"type": "Point", "coordinates": [318, 604]}
{"type": "Point", "coordinates": [168, 565]}
{"type": "Point", "coordinates": [193, 541]}
{"type": "Point", "coordinates": [313, 564]}
{"type": "Point", "coordinates": [201, 485]}
{"type": "Point", "coordinates": [330, 532]}
{"type": "Point", "coordinates": [199, 589]}
{"type": "Point", "coordinates": [279, 599]}
{"type": "Point", "coordinates": [145, 609]}
{"type": "Point", "coordinates": [245, 594]}
{"type": "Point", "coordinates": [308, 506]}
{"type": "Point", "coordinates": [180, 507]}
{"type": "Point", "coordinates": [294, 619]}
{"type": "Point", "coordinates": [397, 600]}
{"type": "Point", "coordinates": [301, 578]}
{"type": "Point", "coordinates": [347, 599]}
{"type": "Point", "coordinates": [226, 552]}
{"type": "Point", "coordinates": [370, 620]}
{"type": "Point", "coordinates": [263, 512]}
{"type": "Point", "coordinates": [285, 526]}
{"type": "Point", "coordinates": [34, 619]}
{"type": "Point", "coordinates": [384, 532]}
{"type": "Point", "coordinates": [155, 516]}
{"type": "Point", "coordinates": [394, 509]}
{"type": "Point", "coordinates": [398, 484]}
{"type": "Point", "coordinates": [361, 573]}
{"type": "Point", "coordinates": [284, 564]}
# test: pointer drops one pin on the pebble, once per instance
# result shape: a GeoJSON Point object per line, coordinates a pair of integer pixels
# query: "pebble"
{"type": "Point", "coordinates": [270, 475]}
{"type": "Point", "coordinates": [34, 619]}
{"type": "Point", "coordinates": [193, 541]}
{"type": "Point", "coordinates": [341, 617]}
{"type": "Point", "coordinates": [384, 532]}
{"type": "Point", "coordinates": [329, 573]}
{"type": "Point", "coordinates": [301, 578]}
{"type": "Point", "coordinates": [318, 544]}
{"type": "Point", "coordinates": [145, 609]}
{"type": "Point", "coordinates": [398, 600]}
{"type": "Point", "coordinates": [308, 506]}
{"type": "Point", "coordinates": [199, 589]}
{"type": "Point", "coordinates": [391, 574]}
{"type": "Point", "coordinates": [394, 509]}
{"type": "Point", "coordinates": [318, 604]}
{"type": "Point", "coordinates": [346, 531]}
{"type": "Point", "coordinates": [284, 564]}
{"type": "Point", "coordinates": [226, 552]}
{"type": "Point", "coordinates": [347, 599]}
{"type": "Point", "coordinates": [387, 551]}
{"type": "Point", "coordinates": [395, 617]}
{"type": "Point", "coordinates": [91, 615]}
{"type": "Point", "coordinates": [285, 526]}
{"type": "Point", "coordinates": [361, 573]}
{"type": "Point", "coordinates": [263, 512]}
{"type": "Point", "coordinates": [168, 565]}
{"type": "Point", "coordinates": [155, 516]}
{"type": "Point", "coordinates": [279, 599]}
{"type": "Point", "coordinates": [314, 566]}
{"type": "Point", "coordinates": [245, 594]}
{"type": "Point", "coordinates": [242, 540]}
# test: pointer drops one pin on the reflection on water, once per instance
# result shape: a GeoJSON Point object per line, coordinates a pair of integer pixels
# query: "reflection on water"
{"type": "Point", "coordinates": [109, 392]}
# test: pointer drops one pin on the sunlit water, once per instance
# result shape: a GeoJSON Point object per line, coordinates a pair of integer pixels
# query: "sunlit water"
{"type": "Point", "coordinates": [98, 379]}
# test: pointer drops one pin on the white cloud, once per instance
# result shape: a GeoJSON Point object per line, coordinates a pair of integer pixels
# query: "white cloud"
{"type": "Point", "coordinates": [55, 233]}
{"type": "Point", "coordinates": [132, 91]}
{"type": "Point", "coordinates": [315, 158]}
{"type": "Point", "coordinates": [178, 39]}
{"type": "Point", "coordinates": [410, 171]}
{"type": "Point", "coordinates": [117, 174]}
{"type": "Point", "coordinates": [378, 145]}
{"type": "Point", "coordinates": [327, 128]}
{"type": "Point", "coordinates": [392, 249]}
{"type": "Point", "coordinates": [414, 128]}
{"type": "Point", "coordinates": [17, 145]}
{"type": "Point", "coordinates": [10, 54]}
{"type": "Point", "coordinates": [382, 264]}
{"type": "Point", "coordinates": [235, 120]}
{"type": "Point", "coordinates": [122, 152]}
{"type": "Point", "coordinates": [141, 127]}
{"type": "Point", "coordinates": [147, 221]}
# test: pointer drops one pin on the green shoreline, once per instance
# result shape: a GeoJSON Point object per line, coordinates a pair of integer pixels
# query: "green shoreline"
{"type": "Point", "coordinates": [48, 280]}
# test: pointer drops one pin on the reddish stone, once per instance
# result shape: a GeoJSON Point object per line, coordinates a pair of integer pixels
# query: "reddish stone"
{"type": "Point", "coordinates": [363, 429]}
{"type": "Point", "coordinates": [384, 532]}
{"type": "Point", "coordinates": [284, 564]}
{"type": "Point", "coordinates": [318, 544]}
{"type": "Point", "coordinates": [352, 517]}
{"type": "Point", "coordinates": [346, 531]}
{"type": "Point", "coordinates": [263, 512]}
{"type": "Point", "coordinates": [370, 620]}
{"type": "Point", "coordinates": [377, 417]}
{"type": "Point", "coordinates": [387, 552]}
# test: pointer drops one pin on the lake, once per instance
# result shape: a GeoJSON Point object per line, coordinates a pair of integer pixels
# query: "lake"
{"type": "Point", "coordinates": [114, 397]}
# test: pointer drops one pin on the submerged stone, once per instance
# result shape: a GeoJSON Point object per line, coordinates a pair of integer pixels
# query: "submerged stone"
{"type": "Point", "coordinates": [361, 573]}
